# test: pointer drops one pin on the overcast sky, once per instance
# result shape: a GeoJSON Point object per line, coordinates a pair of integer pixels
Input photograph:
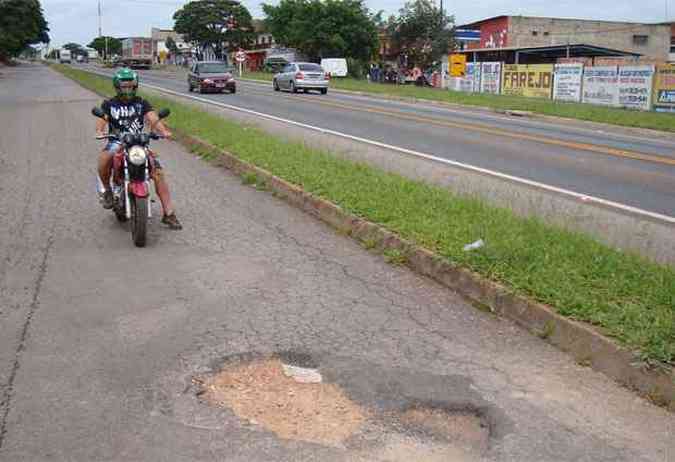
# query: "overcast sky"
{"type": "Point", "coordinates": [77, 20]}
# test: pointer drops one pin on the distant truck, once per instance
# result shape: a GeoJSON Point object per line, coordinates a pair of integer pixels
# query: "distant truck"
{"type": "Point", "coordinates": [336, 67]}
{"type": "Point", "coordinates": [137, 52]}
{"type": "Point", "coordinates": [92, 54]}
{"type": "Point", "coordinates": [65, 57]}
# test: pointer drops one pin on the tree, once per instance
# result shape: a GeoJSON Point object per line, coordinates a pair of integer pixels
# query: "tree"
{"type": "Point", "coordinates": [75, 49]}
{"type": "Point", "coordinates": [324, 28]}
{"type": "Point", "coordinates": [171, 46]}
{"type": "Point", "coordinates": [99, 44]}
{"type": "Point", "coordinates": [22, 23]}
{"type": "Point", "coordinates": [218, 24]}
{"type": "Point", "coordinates": [422, 32]}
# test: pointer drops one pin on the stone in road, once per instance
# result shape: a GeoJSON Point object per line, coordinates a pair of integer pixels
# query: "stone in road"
{"type": "Point", "coordinates": [100, 341]}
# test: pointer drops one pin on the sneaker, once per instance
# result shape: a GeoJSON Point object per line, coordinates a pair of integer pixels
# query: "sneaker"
{"type": "Point", "coordinates": [172, 221]}
{"type": "Point", "coordinates": [107, 199]}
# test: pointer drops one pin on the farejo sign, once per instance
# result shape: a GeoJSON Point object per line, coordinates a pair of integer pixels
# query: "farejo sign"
{"type": "Point", "coordinates": [534, 80]}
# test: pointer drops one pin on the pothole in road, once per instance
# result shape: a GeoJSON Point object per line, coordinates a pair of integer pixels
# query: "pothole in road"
{"type": "Point", "coordinates": [292, 402]}
{"type": "Point", "coordinates": [295, 403]}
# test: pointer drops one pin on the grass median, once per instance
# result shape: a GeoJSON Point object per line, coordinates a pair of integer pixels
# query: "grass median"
{"type": "Point", "coordinates": [628, 297]}
{"type": "Point", "coordinates": [614, 116]}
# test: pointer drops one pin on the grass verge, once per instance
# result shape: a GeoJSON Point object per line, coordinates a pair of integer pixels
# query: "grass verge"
{"type": "Point", "coordinates": [614, 116]}
{"type": "Point", "coordinates": [628, 297]}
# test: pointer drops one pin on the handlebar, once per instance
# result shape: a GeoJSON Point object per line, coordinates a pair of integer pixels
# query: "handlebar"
{"type": "Point", "coordinates": [153, 136]}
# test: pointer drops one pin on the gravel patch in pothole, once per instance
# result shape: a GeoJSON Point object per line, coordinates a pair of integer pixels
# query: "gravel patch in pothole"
{"type": "Point", "coordinates": [291, 403]}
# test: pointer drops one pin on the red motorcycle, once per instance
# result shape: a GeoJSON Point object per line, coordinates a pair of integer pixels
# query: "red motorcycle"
{"type": "Point", "coordinates": [131, 175]}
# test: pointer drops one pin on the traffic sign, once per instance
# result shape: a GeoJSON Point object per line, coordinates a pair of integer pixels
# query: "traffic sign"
{"type": "Point", "coordinates": [457, 65]}
{"type": "Point", "coordinates": [240, 56]}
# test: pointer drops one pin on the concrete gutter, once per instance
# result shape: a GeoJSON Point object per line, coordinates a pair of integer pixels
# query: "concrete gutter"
{"type": "Point", "coordinates": [584, 342]}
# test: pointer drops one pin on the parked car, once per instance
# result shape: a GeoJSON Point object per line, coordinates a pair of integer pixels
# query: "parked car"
{"type": "Point", "coordinates": [211, 76]}
{"type": "Point", "coordinates": [301, 76]}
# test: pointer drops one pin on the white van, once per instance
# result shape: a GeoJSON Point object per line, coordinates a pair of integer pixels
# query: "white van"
{"type": "Point", "coordinates": [65, 56]}
{"type": "Point", "coordinates": [336, 67]}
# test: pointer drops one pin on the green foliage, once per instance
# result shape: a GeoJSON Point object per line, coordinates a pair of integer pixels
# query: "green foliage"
{"type": "Point", "coordinates": [324, 28]}
{"type": "Point", "coordinates": [21, 24]}
{"type": "Point", "coordinates": [422, 32]}
{"type": "Point", "coordinates": [114, 46]}
{"type": "Point", "coordinates": [171, 45]}
{"type": "Point", "coordinates": [75, 49]}
{"type": "Point", "coordinates": [215, 23]}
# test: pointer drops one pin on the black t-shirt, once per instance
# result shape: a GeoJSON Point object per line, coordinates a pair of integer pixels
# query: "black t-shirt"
{"type": "Point", "coordinates": [126, 116]}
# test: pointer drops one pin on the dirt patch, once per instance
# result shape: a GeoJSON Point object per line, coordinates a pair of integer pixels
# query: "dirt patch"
{"type": "Point", "coordinates": [263, 394]}
{"type": "Point", "coordinates": [404, 448]}
{"type": "Point", "coordinates": [463, 430]}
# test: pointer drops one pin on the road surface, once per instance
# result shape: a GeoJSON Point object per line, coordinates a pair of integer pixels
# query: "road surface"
{"type": "Point", "coordinates": [100, 341]}
{"type": "Point", "coordinates": [615, 164]}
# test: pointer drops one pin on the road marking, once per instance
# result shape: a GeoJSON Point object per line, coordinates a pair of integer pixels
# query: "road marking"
{"type": "Point", "coordinates": [488, 130]}
{"type": "Point", "coordinates": [524, 123]}
{"type": "Point", "coordinates": [586, 199]}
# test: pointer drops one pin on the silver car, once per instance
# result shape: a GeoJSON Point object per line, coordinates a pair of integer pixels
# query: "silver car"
{"type": "Point", "coordinates": [302, 76]}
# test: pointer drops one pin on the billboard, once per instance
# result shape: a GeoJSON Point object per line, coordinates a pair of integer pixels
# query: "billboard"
{"type": "Point", "coordinates": [533, 80]}
{"type": "Point", "coordinates": [635, 87]}
{"type": "Point", "coordinates": [461, 84]}
{"type": "Point", "coordinates": [567, 82]}
{"type": "Point", "coordinates": [600, 85]}
{"type": "Point", "coordinates": [664, 88]}
{"type": "Point", "coordinates": [473, 73]}
{"type": "Point", "coordinates": [491, 78]}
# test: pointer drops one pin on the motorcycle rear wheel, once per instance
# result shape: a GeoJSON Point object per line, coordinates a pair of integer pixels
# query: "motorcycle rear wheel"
{"type": "Point", "coordinates": [139, 220]}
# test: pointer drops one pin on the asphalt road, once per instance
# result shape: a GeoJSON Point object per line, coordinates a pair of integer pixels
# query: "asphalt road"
{"type": "Point", "coordinates": [619, 164]}
{"type": "Point", "coordinates": [99, 341]}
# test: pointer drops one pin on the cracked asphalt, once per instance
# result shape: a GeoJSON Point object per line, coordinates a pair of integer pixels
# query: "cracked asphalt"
{"type": "Point", "coordinates": [99, 340]}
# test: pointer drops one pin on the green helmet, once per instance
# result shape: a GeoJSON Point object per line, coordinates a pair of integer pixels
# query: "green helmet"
{"type": "Point", "coordinates": [125, 75]}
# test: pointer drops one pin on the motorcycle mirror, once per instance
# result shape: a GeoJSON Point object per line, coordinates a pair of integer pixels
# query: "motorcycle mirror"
{"type": "Point", "coordinates": [97, 112]}
{"type": "Point", "coordinates": [164, 113]}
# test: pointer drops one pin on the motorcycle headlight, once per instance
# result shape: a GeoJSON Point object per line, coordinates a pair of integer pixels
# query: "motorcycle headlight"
{"type": "Point", "coordinates": [137, 155]}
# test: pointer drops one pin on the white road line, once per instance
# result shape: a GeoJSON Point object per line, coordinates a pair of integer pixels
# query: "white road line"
{"type": "Point", "coordinates": [519, 123]}
{"type": "Point", "coordinates": [534, 184]}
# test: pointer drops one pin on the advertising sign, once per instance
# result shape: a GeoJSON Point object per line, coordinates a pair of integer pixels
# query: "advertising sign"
{"type": "Point", "coordinates": [457, 65]}
{"type": "Point", "coordinates": [491, 77]}
{"type": "Point", "coordinates": [473, 73]}
{"type": "Point", "coordinates": [664, 88]}
{"type": "Point", "coordinates": [635, 87]}
{"type": "Point", "coordinates": [534, 80]}
{"type": "Point", "coordinates": [567, 82]}
{"type": "Point", "coordinates": [601, 85]}
{"type": "Point", "coordinates": [461, 84]}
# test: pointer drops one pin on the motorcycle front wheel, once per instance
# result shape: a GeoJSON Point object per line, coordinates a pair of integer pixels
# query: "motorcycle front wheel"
{"type": "Point", "coordinates": [139, 220]}
{"type": "Point", "coordinates": [120, 210]}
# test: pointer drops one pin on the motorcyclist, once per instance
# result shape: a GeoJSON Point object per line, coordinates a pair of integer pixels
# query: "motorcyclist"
{"type": "Point", "coordinates": [127, 112]}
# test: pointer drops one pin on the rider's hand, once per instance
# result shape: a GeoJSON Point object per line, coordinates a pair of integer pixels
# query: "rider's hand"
{"type": "Point", "coordinates": [168, 135]}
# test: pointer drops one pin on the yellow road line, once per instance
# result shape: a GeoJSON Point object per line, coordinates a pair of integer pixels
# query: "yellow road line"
{"type": "Point", "coordinates": [489, 130]}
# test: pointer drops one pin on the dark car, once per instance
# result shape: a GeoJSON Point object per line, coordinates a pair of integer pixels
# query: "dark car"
{"type": "Point", "coordinates": [211, 76]}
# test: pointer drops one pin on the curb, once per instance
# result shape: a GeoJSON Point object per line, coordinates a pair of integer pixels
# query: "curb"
{"type": "Point", "coordinates": [585, 343]}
